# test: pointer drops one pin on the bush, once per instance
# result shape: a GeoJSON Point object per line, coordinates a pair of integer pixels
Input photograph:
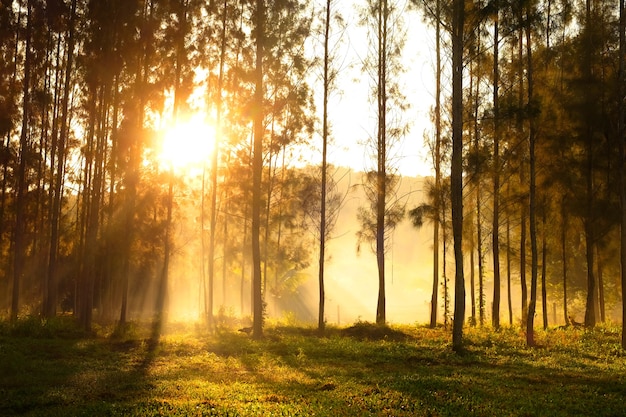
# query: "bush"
{"type": "Point", "coordinates": [38, 327]}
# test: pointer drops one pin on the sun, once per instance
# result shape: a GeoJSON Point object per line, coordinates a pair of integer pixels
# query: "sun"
{"type": "Point", "coordinates": [187, 144]}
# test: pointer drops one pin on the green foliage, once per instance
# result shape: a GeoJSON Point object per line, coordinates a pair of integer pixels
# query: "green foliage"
{"type": "Point", "coordinates": [363, 370]}
{"type": "Point", "coordinates": [42, 328]}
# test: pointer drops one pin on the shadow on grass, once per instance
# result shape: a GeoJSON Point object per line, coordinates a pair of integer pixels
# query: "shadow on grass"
{"type": "Point", "coordinates": [361, 370]}
{"type": "Point", "coordinates": [45, 373]}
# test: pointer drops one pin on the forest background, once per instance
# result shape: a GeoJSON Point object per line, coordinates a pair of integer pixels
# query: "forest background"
{"type": "Point", "coordinates": [97, 217]}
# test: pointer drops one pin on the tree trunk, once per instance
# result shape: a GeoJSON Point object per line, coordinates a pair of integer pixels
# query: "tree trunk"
{"type": "Point", "coordinates": [52, 298]}
{"type": "Point", "coordinates": [532, 205]}
{"type": "Point", "coordinates": [21, 188]}
{"type": "Point", "coordinates": [622, 167]}
{"type": "Point", "coordinates": [508, 266]}
{"type": "Point", "coordinates": [444, 271]}
{"type": "Point", "coordinates": [381, 173]}
{"type": "Point", "coordinates": [257, 170]}
{"type": "Point", "coordinates": [456, 175]}
{"type": "Point", "coordinates": [477, 175]}
{"type": "Point", "coordinates": [590, 316]}
{"type": "Point", "coordinates": [544, 250]}
{"type": "Point", "coordinates": [600, 283]}
{"type": "Point", "coordinates": [564, 258]}
{"type": "Point", "coordinates": [159, 320]}
{"type": "Point", "coordinates": [434, 300]}
{"type": "Point", "coordinates": [473, 286]}
{"type": "Point", "coordinates": [214, 159]}
{"type": "Point", "coordinates": [495, 236]}
{"type": "Point", "coordinates": [321, 322]}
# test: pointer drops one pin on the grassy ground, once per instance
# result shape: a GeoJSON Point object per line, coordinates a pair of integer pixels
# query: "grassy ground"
{"type": "Point", "coordinates": [363, 370]}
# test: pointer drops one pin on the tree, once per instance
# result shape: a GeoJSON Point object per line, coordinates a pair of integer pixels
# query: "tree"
{"type": "Point", "coordinates": [51, 300]}
{"type": "Point", "coordinates": [321, 322]}
{"type": "Point", "coordinates": [19, 253]}
{"type": "Point", "coordinates": [532, 203]}
{"type": "Point", "coordinates": [456, 174]}
{"type": "Point", "coordinates": [495, 234]}
{"type": "Point", "coordinates": [387, 43]}
{"type": "Point", "coordinates": [622, 167]}
{"type": "Point", "coordinates": [434, 211]}
{"type": "Point", "coordinates": [621, 137]}
{"type": "Point", "coordinates": [437, 157]}
{"type": "Point", "coordinates": [214, 160]}
{"type": "Point", "coordinates": [257, 170]}
{"type": "Point", "coordinates": [327, 218]}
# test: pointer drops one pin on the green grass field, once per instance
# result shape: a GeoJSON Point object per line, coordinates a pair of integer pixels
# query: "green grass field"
{"type": "Point", "coordinates": [363, 370]}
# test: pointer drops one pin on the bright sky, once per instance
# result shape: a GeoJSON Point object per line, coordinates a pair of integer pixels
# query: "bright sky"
{"type": "Point", "coordinates": [352, 113]}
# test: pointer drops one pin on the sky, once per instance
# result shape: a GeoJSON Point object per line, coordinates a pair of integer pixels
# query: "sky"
{"type": "Point", "coordinates": [351, 110]}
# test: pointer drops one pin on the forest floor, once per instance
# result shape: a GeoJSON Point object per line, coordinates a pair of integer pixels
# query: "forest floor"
{"type": "Point", "coordinates": [363, 370]}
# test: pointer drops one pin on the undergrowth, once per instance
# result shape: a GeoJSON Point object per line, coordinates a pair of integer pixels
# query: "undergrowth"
{"type": "Point", "coordinates": [51, 368]}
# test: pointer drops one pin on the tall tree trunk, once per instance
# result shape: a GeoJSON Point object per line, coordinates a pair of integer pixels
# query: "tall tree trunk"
{"type": "Point", "coordinates": [381, 174]}
{"type": "Point", "coordinates": [51, 301]}
{"type": "Point", "coordinates": [622, 167]}
{"type": "Point", "coordinates": [444, 271]}
{"type": "Point", "coordinates": [495, 234]}
{"type": "Point", "coordinates": [522, 178]}
{"type": "Point", "coordinates": [19, 255]}
{"type": "Point", "coordinates": [509, 296]}
{"type": "Point", "coordinates": [456, 175]}
{"type": "Point", "coordinates": [214, 158]}
{"type": "Point", "coordinates": [564, 227]}
{"type": "Point", "coordinates": [544, 250]}
{"type": "Point", "coordinates": [6, 154]}
{"type": "Point", "coordinates": [159, 320]}
{"type": "Point", "coordinates": [321, 322]}
{"type": "Point", "coordinates": [532, 204]}
{"type": "Point", "coordinates": [600, 283]}
{"type": "Point", "coordinates": [94, 164]}
{"type": "Point", "coordinates": [434, 299]}
{"type": "Point", "coordinates": [589, 221]}
{"type": "Point", "coordinates": [257, 170]}
{"type": "Point", "coordinates": [473, 286]}
{"type": "Point", "coordinates": [477, 179]}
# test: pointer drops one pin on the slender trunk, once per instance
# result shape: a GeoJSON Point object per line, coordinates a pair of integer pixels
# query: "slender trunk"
{"type": "Point", "coordinates": [381, 196]}
{"type": "Point", "coordinates": [477, 174]}
{"type": "Point", "coordinates": [444, 271]}
{"type": "Point", "coordinates": [564, 258]}
{"type": "Point", "coordinates": [544, 250]}
{"type": "Point", "coordinates": [590, 316]}
{"type": "Point", "coordinates": [94, 163]}
{"type": "Point", "coordinates": [600, 284]}
{"type": "Point", "coordinates": [456, 175]}
{"type": "Point", "coordinates": [257, 170]}
{"type": "Point", "coordinates": [167, 253]}
{"type": "Point", "coordinates": [508, 265]}
{"type": "Point", "coordinates": [473, 286]}
{"type": "Point", "coordinates": [522, 180]}
{"type": "Point", "coordinates": [6, 154]}
{"type": "Point", "coordinates": [321, 322]}
{"type": "Point", "coordinates": [622, 167]}
{"type": "Point", "coordinates": [532, 205]}
{"type": "Point", "coordinates": [434, 300]}
{"type": "Point", "coordinates": [214, 158]}
{"type": "Point", "coordinates": [19, 255]}
{"type": "Point", "coordinates": [495, 236]}
{"type": "Point", "coordinates": [203, 303]}
{"type": "Point", "coordinates": [51, 302]}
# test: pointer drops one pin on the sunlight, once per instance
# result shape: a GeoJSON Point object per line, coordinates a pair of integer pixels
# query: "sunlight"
{"type": "Point", "coordinates": [187, 144]}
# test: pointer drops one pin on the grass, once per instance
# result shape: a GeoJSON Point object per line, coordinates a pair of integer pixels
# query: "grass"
{"type": "Point", "coordinates": [363, 370]}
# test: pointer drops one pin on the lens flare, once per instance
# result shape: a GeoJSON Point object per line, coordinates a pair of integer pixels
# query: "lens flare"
{"type": "Point", "coordinates": [187, 144]}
